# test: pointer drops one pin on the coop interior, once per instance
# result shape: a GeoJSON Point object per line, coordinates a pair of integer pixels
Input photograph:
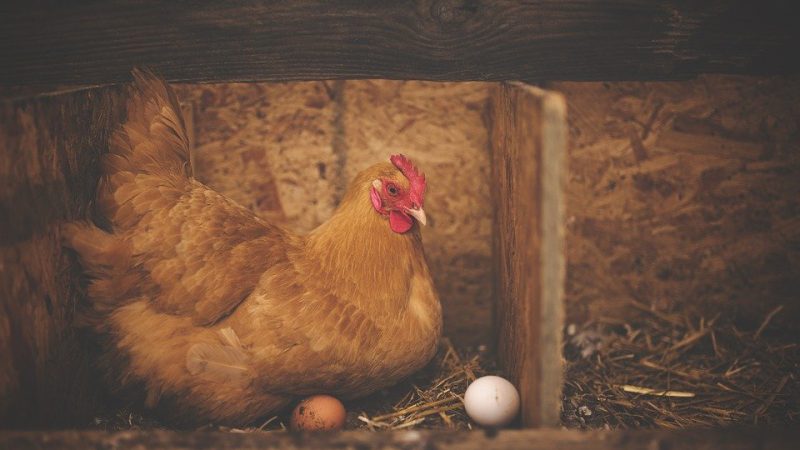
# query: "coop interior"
{"type": "Point", "coordinates": [681, 243]}
{"type": "Point", "coordinates": [680, 237]}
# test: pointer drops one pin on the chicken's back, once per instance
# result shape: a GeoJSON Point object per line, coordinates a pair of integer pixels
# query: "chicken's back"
{"type": "Point", "coordinates": [187, 248]}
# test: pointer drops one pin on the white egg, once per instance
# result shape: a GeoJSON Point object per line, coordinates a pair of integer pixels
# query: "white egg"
{"type": "Point", "coordinates": [491, 401]}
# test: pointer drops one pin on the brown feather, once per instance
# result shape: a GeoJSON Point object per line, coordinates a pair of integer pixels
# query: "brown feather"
{"type": "Point", "coordinates": [226, 362]}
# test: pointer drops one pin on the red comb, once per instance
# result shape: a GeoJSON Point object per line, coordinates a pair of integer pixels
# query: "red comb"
{"type": "Point", "coordinates": [415, 177]}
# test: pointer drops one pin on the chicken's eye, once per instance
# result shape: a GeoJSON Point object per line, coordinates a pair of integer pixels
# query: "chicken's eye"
{"type": "Point", "coordinates": [392, 189]}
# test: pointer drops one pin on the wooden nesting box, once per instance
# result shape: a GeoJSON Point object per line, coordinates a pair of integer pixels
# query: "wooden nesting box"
{"type": "Point", "coordinates": [51, 168]}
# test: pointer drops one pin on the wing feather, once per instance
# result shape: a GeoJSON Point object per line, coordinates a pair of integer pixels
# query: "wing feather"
{"type": "Point", "coordinates": [223, 361]}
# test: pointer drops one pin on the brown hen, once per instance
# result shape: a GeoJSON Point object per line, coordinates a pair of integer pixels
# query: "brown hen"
{"type": "Point", "coordinates": [214, 314]}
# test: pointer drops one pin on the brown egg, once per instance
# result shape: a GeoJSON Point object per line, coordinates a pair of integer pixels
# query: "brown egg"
{"type": "Point", "coordinates": [318, 413]}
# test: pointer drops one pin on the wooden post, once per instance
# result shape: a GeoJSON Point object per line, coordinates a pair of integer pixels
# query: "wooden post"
{"type": "Point", "coordinates": [528, 146]}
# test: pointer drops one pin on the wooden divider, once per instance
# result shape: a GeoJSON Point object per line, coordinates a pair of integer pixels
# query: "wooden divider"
{"type": "Point", "coordinates": [528, 145]}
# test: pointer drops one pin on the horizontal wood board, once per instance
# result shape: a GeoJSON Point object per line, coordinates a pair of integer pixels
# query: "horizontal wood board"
{"type": "Point", "coordinates": [57, 43]}
{"type": "Point", "coordinates": [722, 439]}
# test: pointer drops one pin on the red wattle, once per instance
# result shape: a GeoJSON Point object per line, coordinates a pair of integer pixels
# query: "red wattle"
{"type": "Point", "coordinates": [400, 222]}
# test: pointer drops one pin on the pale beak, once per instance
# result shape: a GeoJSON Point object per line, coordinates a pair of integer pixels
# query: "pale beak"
{"type": "Point", "coordinates": [418, 214]}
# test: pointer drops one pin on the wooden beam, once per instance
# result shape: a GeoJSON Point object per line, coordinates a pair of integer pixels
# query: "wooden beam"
{"type": "Point", "coordinates": [722, 439]}
{"type": "Point", "coordinates": [244, 40]}
{"type": "Point", "coordinates": [528, 151]}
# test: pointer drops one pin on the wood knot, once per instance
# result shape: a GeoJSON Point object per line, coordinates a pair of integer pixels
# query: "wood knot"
{"type": "Point", "coordinates": [451, 12]}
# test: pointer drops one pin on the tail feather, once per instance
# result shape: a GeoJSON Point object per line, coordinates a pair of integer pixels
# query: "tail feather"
{"type": "Point", "coordinates": [146, 169]}
{"type": "Point", "coordinates": [152, 141]}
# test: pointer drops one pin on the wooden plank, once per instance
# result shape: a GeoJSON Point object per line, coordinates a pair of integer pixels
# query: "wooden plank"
{"type": "Point", "coordinates": [723, 439]}
{"type": "Point", "coordinates": [229, 40]}
{"type": "Point", "coordinates": [49, 151]}
{"type": "Point", "coordinates": [552, 253]}
{"type": "Point", "coordinates": [528, 146]}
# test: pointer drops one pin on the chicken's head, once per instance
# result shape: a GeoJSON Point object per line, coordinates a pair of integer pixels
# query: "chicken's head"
{"type": "Point", "coordinates": [400, 197]}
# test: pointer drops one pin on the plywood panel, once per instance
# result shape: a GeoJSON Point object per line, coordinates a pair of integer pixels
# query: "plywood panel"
{"type": "Point", "coordinates": [268, 146]}
{"type": "Point", "coordinates": [684, 195]}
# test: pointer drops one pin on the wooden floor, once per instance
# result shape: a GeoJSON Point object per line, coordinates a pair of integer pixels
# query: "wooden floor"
{"type": "Point", "coordinates": [518, 439]}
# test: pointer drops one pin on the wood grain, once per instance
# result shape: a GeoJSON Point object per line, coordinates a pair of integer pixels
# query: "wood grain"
{"type": "Point", "coordinates": [58, 43]}
{"type": "Point", "coordinates": [723, 439]}
{"type": "Point", "coordinates": [49, 150]}
{"type": "Point", "coordinates": [528, 146]}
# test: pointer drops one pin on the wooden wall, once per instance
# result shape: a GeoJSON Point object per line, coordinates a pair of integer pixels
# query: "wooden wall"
{"type": "Point", "coordinates": [49, 149]}
{"type": "Point", "coordinates": [684, 194]}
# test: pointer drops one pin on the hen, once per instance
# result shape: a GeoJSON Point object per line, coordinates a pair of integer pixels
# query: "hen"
{"type": "Point", "coordinates": [214, 314]}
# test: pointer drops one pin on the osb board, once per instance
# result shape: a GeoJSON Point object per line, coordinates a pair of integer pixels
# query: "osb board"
{"type": "Point", "coordinates": [288, 150]}
{"type": "Point", "coordinates": [266, 146]}
{"type": "Point", "coordinates": [684, 194]}
{"type": "Point", "coordinates": [49, 151]}
{"type": "Point", "coordinates": [528, 152]}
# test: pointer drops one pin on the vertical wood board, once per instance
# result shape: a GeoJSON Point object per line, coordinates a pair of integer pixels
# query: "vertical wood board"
{"type": "Point", "coordinates": [528, 143]}
{"type": "Point", "coordinates": [49, 153]}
